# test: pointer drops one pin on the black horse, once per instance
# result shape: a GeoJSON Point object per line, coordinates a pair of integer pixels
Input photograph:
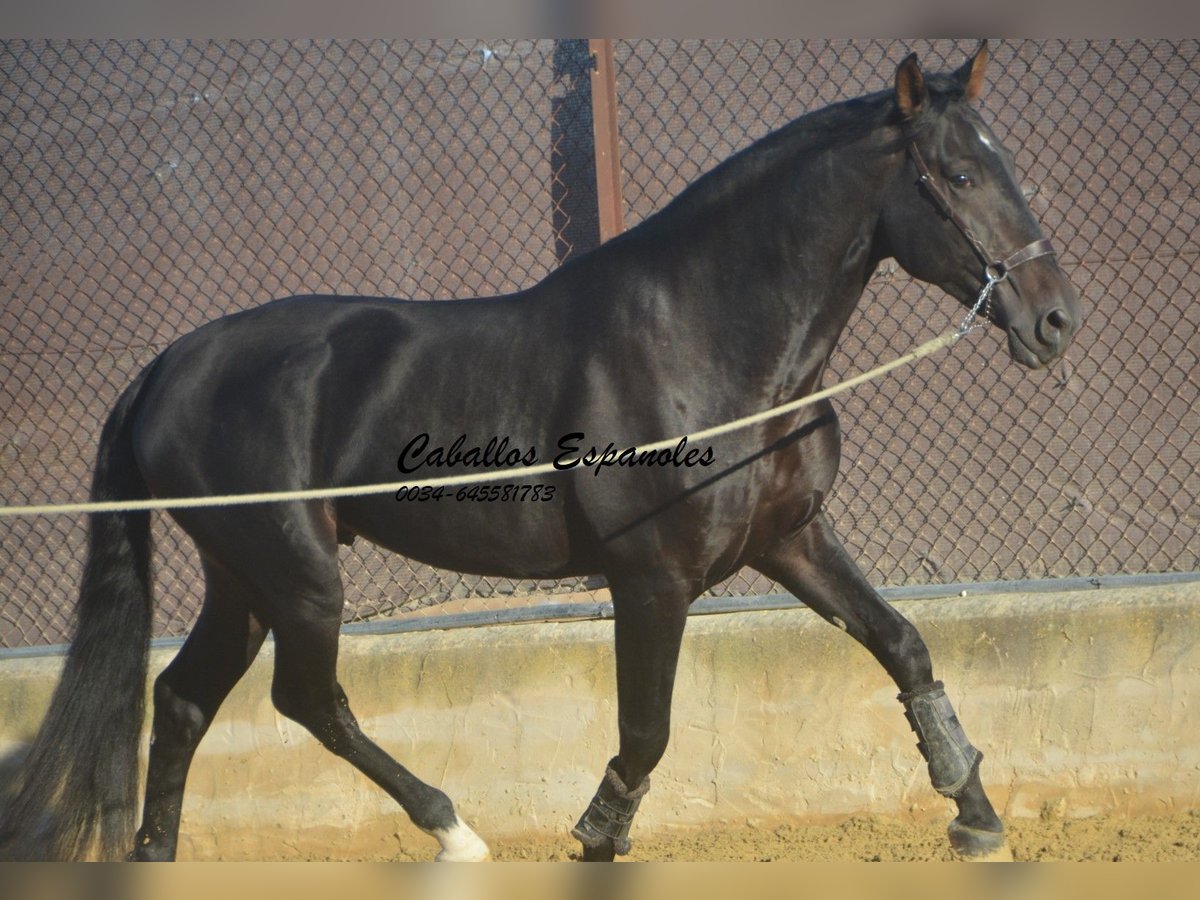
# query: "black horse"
{"type": "Point", "coordinates": [728, 301]}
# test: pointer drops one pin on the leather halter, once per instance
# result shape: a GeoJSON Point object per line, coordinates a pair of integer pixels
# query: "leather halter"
{"type": "Point", "coordinates": [995, 269]}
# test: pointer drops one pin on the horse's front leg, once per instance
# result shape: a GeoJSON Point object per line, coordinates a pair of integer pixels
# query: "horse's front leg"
{"type": "Point", "coordinates": [815, 567]}
{"type": "Point", "coordinates": [649, 629]}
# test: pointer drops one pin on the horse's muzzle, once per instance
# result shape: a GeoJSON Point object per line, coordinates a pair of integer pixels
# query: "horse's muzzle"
{"type": "Point", "coordinates": [1045, 342]}
{"type": "Point", "coordinates": [1039, 333]}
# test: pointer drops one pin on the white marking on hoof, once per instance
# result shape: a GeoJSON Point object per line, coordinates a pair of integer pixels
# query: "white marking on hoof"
{"type": "Point", "coordinates": [461, 844]}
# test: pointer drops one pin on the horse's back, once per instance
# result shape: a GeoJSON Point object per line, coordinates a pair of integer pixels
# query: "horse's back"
{"type": "Point", "coordinates": [297, 366]}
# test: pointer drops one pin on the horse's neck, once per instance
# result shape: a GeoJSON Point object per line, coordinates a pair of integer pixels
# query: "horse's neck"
{"type": "Point", "coordinates": [761, 266]}
{"type": "Point", "coordinates": [803, 255]}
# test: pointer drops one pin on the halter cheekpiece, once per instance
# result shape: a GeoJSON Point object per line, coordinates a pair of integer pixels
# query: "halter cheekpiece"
{"type": "Point", "coordinates": [995, 269]}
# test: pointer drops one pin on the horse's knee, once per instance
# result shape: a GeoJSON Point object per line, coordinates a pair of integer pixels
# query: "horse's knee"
{"type": "Point", "coordinates": [899, 647]}
{"type": "Point", "coordinates": [642, 746]}
{"type": "Point", "coordinates": [905, 642]}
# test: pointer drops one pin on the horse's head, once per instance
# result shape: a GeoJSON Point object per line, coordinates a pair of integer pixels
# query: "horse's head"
{"type": "Point", "coordinates": [956, 216]}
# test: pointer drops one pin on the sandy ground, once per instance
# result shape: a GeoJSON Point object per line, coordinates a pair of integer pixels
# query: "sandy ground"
{"type": "Point", "coordinates": [868, 838]}
{"type": "Point", "coordinates": [863, 838]}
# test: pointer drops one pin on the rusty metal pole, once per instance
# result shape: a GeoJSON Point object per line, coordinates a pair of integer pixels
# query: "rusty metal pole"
{"type": "Point", "coordinates": [609, 198]}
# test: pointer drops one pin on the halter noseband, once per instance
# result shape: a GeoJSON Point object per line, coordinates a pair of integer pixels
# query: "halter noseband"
{"type": "Point", "coordinates": [995, 269]}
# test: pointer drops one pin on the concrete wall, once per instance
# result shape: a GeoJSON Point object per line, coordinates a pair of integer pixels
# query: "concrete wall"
{"type": "Point", "coordinates": [1085, 701]}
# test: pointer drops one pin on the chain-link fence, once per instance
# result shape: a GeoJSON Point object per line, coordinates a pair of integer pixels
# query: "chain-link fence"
{"type": "Point", "coordinates": [152, 186]}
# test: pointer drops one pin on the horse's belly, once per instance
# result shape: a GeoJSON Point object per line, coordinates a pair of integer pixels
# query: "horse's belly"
{"type": "Point", "coordinates": [503, 530]}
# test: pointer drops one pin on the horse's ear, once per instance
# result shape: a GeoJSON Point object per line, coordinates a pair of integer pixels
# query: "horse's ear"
{"type": "Point", "coordinates": [971, 75]}
{"type": "Point", "coordinates": [910, 87]}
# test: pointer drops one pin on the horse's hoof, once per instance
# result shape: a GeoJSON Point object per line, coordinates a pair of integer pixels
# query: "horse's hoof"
{"type": "Point", "coordinates": [597, 854]}
{"type": "Point", "coordinates": [976, 845]}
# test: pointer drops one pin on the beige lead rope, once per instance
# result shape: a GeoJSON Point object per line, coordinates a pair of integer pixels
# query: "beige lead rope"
{"type": "Point", "coordinates": [924, 350]}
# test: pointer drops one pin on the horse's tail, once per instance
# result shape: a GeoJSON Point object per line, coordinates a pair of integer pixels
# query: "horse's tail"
{"type": "Point", "coordinates": [79, 785]}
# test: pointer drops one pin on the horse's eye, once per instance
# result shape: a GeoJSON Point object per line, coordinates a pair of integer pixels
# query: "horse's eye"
{"type": "Point", "coordinates": [961, 181]}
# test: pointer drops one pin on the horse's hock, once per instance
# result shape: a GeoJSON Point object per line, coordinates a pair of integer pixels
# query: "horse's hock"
{"type": "Point", "coordinates": [1081, 702]}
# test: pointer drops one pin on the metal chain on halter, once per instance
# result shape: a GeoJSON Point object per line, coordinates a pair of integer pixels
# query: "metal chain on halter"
{"type": "Point", "coordinates": [983, 304]}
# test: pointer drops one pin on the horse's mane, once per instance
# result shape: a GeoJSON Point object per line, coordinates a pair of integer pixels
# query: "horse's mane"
{"type": "Point", "coordinates": [841, 124]}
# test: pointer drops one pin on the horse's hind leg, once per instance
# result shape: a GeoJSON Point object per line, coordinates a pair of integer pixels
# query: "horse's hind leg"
{"type": "Point", "coordinates": [278, 562]}
{"type": "Point", "coordinates": [815, 567]}
{"type": "Point", "coordinates": [218, 651]}
{"type": "Point", "coordinates": [306, 690]}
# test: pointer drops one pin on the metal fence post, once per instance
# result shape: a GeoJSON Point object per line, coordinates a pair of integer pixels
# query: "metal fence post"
{"type": "Point", "coordinates": [610, 201]}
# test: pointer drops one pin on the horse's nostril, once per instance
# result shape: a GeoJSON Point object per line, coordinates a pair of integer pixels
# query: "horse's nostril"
{"type": "Point", "coordinates": [1057, 319]}
{"type": "Point", "coordinates": [1052, 327]}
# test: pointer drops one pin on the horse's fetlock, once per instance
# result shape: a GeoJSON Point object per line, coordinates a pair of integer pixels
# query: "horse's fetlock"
{"type": "Point", "coordinates": [433, 811]}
